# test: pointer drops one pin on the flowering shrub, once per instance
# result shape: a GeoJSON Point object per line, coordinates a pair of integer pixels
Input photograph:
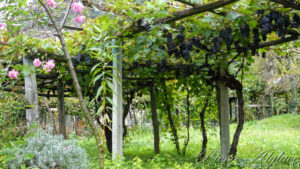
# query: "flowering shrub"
{"type": "Point", "coordinates": [13, 74]}
{"type": "Point", "coordinates": [45, 151]}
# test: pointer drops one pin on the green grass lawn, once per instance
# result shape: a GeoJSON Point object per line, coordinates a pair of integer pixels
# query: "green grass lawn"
{"type": "Point", "coordinates": [275, 135]}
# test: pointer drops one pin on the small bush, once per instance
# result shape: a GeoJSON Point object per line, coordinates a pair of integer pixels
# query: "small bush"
{"type": "Point", "coordinates": [44, 151]}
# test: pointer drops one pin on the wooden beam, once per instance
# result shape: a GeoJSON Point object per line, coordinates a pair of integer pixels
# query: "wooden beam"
{"type": "Point", "coordinates": [196, 10]}
{"type": "Point", "coordinates": [72, 28]}
{"type": "Point", "coordinates": [194, 4]}
{"type": "Point", "coordinates": [278, 42]}
{"type": "Point", "coordinates": [180, 15]}
{"type": "Point", "coordinates": [287, 4]}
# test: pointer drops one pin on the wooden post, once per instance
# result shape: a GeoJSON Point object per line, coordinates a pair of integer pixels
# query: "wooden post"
{"type": "Point", "coordinates": [32, 114]}
{"type": "Point", "coordinates": [51, 114]}
{"type": "Point", "coordinates": [223, 109]}
{"type": "Point", "coordinates": [154, 118]}
{"type": "Point", "coordinates": [61, 108]}
{"type": "Point", "coordinates": [294, 103]}
{"type": "Point", "coordinates": [117, 126]}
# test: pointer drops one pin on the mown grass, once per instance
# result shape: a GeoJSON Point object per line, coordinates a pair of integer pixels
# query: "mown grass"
{"type": "Point", "coordinates": [276, 134]}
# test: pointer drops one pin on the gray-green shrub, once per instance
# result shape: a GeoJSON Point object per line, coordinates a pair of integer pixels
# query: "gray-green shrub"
{"type": "Point", "coordinates": [45, 150]}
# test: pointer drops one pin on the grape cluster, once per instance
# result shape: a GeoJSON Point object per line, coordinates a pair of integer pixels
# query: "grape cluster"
{"type": "Point", "coordinates": [296, 21]}
{"type": "Point", "coordinates": [266, 26]}
{"type": "Point", "coordinates": [273, 21]}
{"type": "Point", "coordinates": [161, 66]}
{"type": "Point", "coordinates": [181, 48]}
{"type": "Point", "coordinates": [148, 63]}
{"type": "Point", "coordinates": [197, 43]}
{"type": "Point", "coordinates": [217, 44]}
{"type": "Point", "coordinates": [226, 36]}
{"type": "Point", "coordinates": [256, 38]}
{"type": "Point", "coordinates": [245, 31]}
{"type": "Point", "coordinates": [260, 12]}
{"type": "Point", "coordinates": [263, 55]}
{"type": "Point", "coordinates": [187, 70]}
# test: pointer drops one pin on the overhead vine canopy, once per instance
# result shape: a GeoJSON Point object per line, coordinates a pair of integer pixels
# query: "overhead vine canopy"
{"type": "Point", "coordinates": [172, 37]}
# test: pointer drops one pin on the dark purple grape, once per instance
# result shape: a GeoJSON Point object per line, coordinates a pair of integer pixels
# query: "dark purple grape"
{"type": "Point", "coordinates": [148, 63]}
{"type": "Point", "coordinates": [265, 24]}
{"type": "Point", "coordinates": [196, 42]}
{"type": "Point", "coordinates": [260, 12]}
{"type": "Point", "coordinates": [296, 21]}
{"type": "Point", "coordinates": [263, 55]}
{"type": "Point", "coordinates": [227, 37]}
{"type": "Point", "coordinates": [287, 21]}
{"type": "Point", "coordinates": [180, 37]}
{"type": "Point", "coordinates": [186, 55]}
{"type": "Point", "coordinates": [256, 38]}
{"type": "Point", "coordinates": [245, 31]}
{"type": "Point", "coordinates": [217, 43]}
{"type": "Point", "coordinates": [189, 46]}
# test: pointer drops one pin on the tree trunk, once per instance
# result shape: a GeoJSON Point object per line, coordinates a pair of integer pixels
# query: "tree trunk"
{"type": "Point", "coordinates": [203, 130]}
{"type": "Point", "coordinates": [188, 120]}
{"type": "Point", "coordinates": [223, 109]}
{"type": "Point", "coordinates": [233, 149]}
{"type": "Point", "coordinates": [154, 118]}
{"type": "Point", "coordinates": [237, 110]}
{"type": "Point", "coordinates": [61, 108]}
{"type": "Point", "coordinates": [173, 128]}
{"type": "Point", "coordinates": [230, 109]}
{"type": "Point", "coordinates": [32, 114]}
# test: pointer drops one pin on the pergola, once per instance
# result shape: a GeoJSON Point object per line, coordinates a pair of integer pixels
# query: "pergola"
{"type": "Point", "coordinates": [223, 80]}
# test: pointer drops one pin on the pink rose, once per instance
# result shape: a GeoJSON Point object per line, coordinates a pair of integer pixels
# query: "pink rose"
{"type": "Point", "coordinates": [13, 74]}
{"type": "Point", "coordinates": [77, 7]}
{"type": "Point", "coordinates": [51, 3]}
{"type": "Point", "coordinates": [49, 65]}
{"type": "Point", "coordinates": [2, 25]}
{"type": "Point", "coordinates": [37, 62]}
{"type": "Point", "coordinates": [80, 19]}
